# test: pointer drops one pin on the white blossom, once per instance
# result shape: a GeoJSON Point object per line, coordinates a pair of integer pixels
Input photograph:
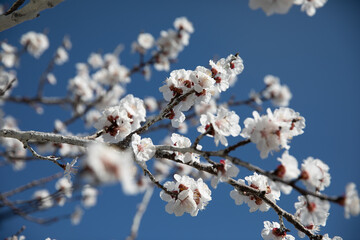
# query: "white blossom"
{"type": "Point", "coordinates": [95, 60]}
{"type": "Point", "coordinates": [35, 43]}
{"type": "Point", "coordinates": [8, 55]}
{"type": "Point", "coordinates": [182, 23]}
{"type": "Point", "coordinates": [191, 195]}
{"type": "Point", "coordinates": [315, 174]}
{"type": "Point", "coordinates": [310, 6]}
{"type": "Point", "coordinates": [273, 131]}
{"type": "Point", "coordinates": [61, 56]}
{"type": "Point", "coordinates": [184, 142]}
{"type": "Point", "coordinates": [326, 237]}
{"type": "Point", "coordinates": [115, 122]}
{"type": "Point", "coordinates": [224, 124]}
{"type": "Point", "coordinates": [146, 40]}
{"type": "Point", "coordinates": [226, 169]}
{"type": "Point", "coordinates": [258, 182]}
{"type": "Point", "coordinates": [151, 104]}
{"type": "Point", "coordinates": [76, 216]}
{"type": "Point", "coordinates": [352, 201]}
{"type": "Point", "coordinates": [64, 186]}
{"type": "Point", "coordinates": [103, 164]}
{"type": "Point", "coordinates": [272, 231]}
{"type": "Point", "coordinates": [89, 196]}
{"type": "Point", "coordinates": [271, 6]}
{"type": "Point", "coordinates": [280, 95]}
{"type": "Point", "coordinates": [143, 148]}
{"type": "Point", "coordinates": [51, 78]}
{"type": "Point", "coordinates": [312, 211]}
{"type": "Point", "coordinates": [288, 170]}
{"type": "Point", "coordinates": [44, 199]}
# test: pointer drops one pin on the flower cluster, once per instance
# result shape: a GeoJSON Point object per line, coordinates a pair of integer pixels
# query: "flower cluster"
{"type": "Point", "coordinates": [258, 182]}
{"type": "Point", "coordinates": [226, 169]}
{"type": "Point", "coordinates": [118, 121]}
{"type": "Point", "coordinates": [64, 186]}
{"type": "Point", "coordinates": [8, 55]}
{"type": "Point", "coordinates": [202, 82]}
{"type": "Point", "coordinates": [103, 164]}
{"type": "Point", "coordinates": [280, 95]}
{"type": "Point", "coordinates": [224, 124]}
{"type": "Point", "coordinates": [14, 149]}
{"type": "Point", "coordinates": [35, 43]}
{"type": "Point", "coordinates": [273, 131]}
{"type": "Point", "coordinates": [282, 6]}
{"type": "Point", "coordinates": [172, 42]}
{"type": "Point", "coordinates": [184, 142]}
{"type": "Point", "coordinates": [191, 196]}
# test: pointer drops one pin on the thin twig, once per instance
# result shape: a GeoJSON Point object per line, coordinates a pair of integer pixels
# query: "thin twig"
{"type": "Point", "coordinates": [139, 214]}
{"type": "Point", "coordinates": [31, 185]}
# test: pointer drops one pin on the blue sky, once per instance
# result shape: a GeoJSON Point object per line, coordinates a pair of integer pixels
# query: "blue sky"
{"type": "Point", "coordinates": [318, 58]}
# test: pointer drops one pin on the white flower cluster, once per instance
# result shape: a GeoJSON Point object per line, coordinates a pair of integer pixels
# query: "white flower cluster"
{"type": "Point", "coordinates": [172, 42]}
{"type": "Point", "coordinates": [103, 164]}
{"type": "Point", "coordinates": [280, 95]}
{"type": "Point", "coordinates": [7, 82]}
{"type": "Point", "coordinates": [8, 55]}
{"type": "Point", "coordinates": [225, 170]}
{"type": "Point", "coordinates": [184, 142]}
{"type": "Point", "coordinates": [352, 201]}
{"type": "Point", "coordinates": [63, 186]}
{"type": "Point", "coordinates": [191, 196]}
{"type": "Point", "coordinates": [15, 150]}
{"type": "Point", "coordinates": [43, 198]}
{"type": "Point", "coordinates": [258, 182]}
{"type": "Point", "coordinates": [273, 131]}
{"type": "Point", "coordinates": [282, 6]}
{"type": "Point", "coordinates": [89, 196]}
{"type": "Point", "coordinates": [224, 124]}
{"type": "Point", "coordinates": [107, 71]}
{"type": "Point", "coordinates": [204, 82]}
{"type": "Point", "coordinates": [35, 43]}
{"type": "Point", "coordinates": [120, 120]}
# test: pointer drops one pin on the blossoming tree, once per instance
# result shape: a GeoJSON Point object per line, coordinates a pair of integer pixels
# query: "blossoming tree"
{"type": "Point", "coordinates": [185, 140]}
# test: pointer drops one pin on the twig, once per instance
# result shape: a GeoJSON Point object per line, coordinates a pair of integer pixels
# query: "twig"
{"type": "Point", "coordinates": [34, 136]}
{"type": "Point", "coordinates": [14, 7]}
{"type": "Point", "coordinates": [31, 185]}
{"type": "Point", "coordinates": [48, 158]}
{"type": "Point", "coordinates": [28, 12]}
{"type": "Point", "coordinates": [239, 144]}
{"type": "Point", "coordinates": [139, 214]}
{"type": "Point", "coordinates": [7, 87]}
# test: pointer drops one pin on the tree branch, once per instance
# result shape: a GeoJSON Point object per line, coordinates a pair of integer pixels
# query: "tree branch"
{"type": "Point", "coordinates": [34, 136]}
{"type": "Point", "coordinates": [28, 12]}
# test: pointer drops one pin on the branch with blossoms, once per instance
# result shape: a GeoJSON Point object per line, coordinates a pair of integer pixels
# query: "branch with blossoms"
{"type": "Point", "coordinates": [122, 150]}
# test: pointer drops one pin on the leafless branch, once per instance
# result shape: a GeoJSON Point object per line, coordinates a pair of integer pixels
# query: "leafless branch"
{"type": "Point", "coordinates": [30, 11]}
{"type": "Point", "coordinates": [139, 214]}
